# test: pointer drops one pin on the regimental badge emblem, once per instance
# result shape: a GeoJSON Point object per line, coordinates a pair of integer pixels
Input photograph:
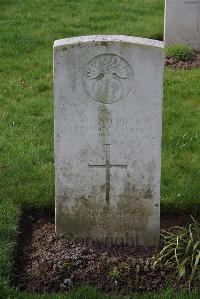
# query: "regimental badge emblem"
{"type": "Point", "coordinates": [108, 78]}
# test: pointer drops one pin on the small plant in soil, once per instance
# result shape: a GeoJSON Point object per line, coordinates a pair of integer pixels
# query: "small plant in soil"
{"type": "Point", "coordinates": [114, 273]}
{"type": "Point", "coordinates": [179, 52]}
{"type": "Point", "coordinates": [65, 265]}
{"type": "Point", "coordinates": [182, 250]}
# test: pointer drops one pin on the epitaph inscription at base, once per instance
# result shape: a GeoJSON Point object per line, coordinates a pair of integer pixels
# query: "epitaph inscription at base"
{"type": "Point", "coordinates": [108, 123]}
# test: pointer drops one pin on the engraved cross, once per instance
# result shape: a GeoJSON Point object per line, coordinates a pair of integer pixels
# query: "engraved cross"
{"type": "Point", "coordinates": [107, 166]}
{"type": "Point", "coordinates": [198, 12]}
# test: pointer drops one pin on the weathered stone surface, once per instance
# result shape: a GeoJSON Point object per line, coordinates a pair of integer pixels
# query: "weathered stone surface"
{"type": "Point", "coordinates": [182, 22]}
{"type": "Point", "coordinates": [108, 102]}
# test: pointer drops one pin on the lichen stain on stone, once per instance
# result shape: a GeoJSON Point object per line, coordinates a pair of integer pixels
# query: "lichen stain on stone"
{"type": "Point", "coordinates": [102, 93]}
{"type": "Point", "coordinates": [103, 188]}
{"type": "Point", "coordinates": [104, 43]}
{"type": "Point", "coordinates": [148, 193]}
{"type": "Point", "coordinates": [72, 222]}
{"type": "Point", "coordinates": [104, 120]}
{"type": "Point", "coordinates": [82, 218]}
{"type": "Point", "coordinates": [133, 205]}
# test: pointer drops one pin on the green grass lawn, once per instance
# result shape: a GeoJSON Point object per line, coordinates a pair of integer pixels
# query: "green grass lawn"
{"type": "Point", "coordinates": [27, 31]}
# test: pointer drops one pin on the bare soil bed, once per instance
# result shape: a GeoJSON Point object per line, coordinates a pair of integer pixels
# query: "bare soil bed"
{"type": "Point", "coordinates": [46, 263]}
{"type": "Point", "coordinates": [189, 64]}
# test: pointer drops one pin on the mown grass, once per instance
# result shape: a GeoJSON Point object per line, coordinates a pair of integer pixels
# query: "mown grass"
{"type": "Point", "coordinates": [181, 146]}
{"type": "Point", "coordinates": [27, 32]}
{"type": "Point", "coordinates": [88, 293]}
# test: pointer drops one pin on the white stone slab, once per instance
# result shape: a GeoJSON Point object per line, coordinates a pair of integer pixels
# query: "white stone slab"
{"type": "Point", "coordinates": [108, 106]}
{"type": "Point", "coordinates": [182, 23]}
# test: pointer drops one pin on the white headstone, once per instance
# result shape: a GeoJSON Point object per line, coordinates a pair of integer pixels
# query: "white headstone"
{"type": "Point", "coordinates": [108, 106]}
{"type": "Point", "coordinates": [182, 23]}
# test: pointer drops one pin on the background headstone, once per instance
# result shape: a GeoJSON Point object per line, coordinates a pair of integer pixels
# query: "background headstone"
{"type": "Point", "coordinates": [182, 23]}
{"type": "Point", "coordinates": [108, 116]}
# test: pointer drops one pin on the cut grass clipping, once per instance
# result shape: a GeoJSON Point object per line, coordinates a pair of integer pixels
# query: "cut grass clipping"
{"type": "Point", "coordinates": [182, 249]}
{"type": "Point", "coordinates": [179, 52]}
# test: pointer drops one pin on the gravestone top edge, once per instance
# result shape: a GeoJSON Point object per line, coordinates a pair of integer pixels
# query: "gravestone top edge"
{"type": "Point", "coordinates": [109, 38]}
